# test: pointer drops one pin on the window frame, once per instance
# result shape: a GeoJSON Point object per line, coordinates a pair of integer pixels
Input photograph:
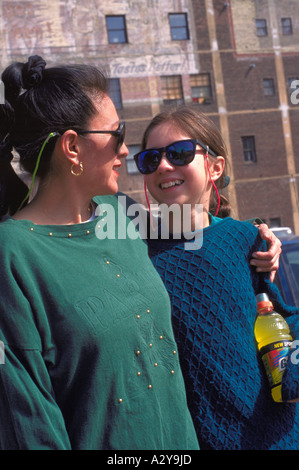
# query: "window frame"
{"type": "Point", "coordinates": [261, 31]}
{"type": "Point", "coordinates": [286, 30]}
{"type": "Point", "coordinates": [174, 28]}
{"type": "Point", "coordinates": [111, 30]}
{"type": "Point", "coordinates": [168, 89]}
{"type": "Point", "coordinates": [249, 149]}
{"type": "Point", "coordinates": [272, 87]}
{"type": "Point", "coordinates": [197, 82]}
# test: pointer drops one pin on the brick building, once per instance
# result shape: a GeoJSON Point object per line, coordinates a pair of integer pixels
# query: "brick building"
{"type": "Point", "coordinates": [235, 60]}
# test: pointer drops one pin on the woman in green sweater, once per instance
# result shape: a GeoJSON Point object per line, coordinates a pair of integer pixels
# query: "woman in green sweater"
{"type": "Point", "coordinates": [90, 360]}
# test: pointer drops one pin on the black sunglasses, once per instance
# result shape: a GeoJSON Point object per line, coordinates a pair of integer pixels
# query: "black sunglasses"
{"type": "Point", "coordinates": [178, 153]}
{"type": "Point", "coordinates": [120, 133]}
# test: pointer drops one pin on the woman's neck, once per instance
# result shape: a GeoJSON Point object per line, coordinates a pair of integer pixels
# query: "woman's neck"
{"type": "Point", "coordinates": [52, 206]}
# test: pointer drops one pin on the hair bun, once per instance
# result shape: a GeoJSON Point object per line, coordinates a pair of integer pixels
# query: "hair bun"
{"type": "Point", "coordinates": [32, 72]}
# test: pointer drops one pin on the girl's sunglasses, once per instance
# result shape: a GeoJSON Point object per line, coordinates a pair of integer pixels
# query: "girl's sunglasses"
{"type": "Point", "coordinates": [178, 153]}
{"type": "Point", "coordinates": [119, 133]}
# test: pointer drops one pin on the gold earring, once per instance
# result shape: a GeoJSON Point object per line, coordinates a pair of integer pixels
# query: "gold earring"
{"type": "Point", "coordinates": [79, 172]}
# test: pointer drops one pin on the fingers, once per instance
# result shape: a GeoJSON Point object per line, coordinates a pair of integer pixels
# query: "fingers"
{"type": "Point", "coordinates": [267, 261]}
{"type": "Point", "coordinates": [267, 235]}
{"type": "Point", "coordinates": [272, 276]}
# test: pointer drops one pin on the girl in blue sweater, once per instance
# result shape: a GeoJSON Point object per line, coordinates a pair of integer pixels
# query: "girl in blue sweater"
{"type": "Point", "coordinates": [213, 291]}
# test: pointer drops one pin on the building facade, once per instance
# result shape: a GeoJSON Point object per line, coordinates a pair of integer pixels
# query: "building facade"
{"type": "Point", "coordinates": [237, 61]}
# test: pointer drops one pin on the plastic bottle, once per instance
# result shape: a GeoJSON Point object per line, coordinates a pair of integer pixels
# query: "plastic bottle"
{"type": "Point", "coordinates": [274, 342]}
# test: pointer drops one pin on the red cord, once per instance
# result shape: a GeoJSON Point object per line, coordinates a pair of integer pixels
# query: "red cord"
{"type": "Point", "coordinates": [214, 185]}
{"type": "Point", "coordinates": [148, 205]}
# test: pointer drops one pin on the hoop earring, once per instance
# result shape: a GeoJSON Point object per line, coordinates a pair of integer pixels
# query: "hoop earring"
{"type": "Point", "coordinates": [79, 172]}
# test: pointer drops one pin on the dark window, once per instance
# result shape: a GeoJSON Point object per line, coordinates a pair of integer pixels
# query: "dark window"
{"type": "Point", "coordinates": [286, 26]}
{"type": "Point", "coordinates": [249, 149]}
{"type": "Point", "coordinates": [178, 26]}
{"type": "Point", "coordinates": [116, 29]}
{"type": "Point", "coordinates": [261, 27]}
{"type": "Point", "coordinates": [172, 90]}
{"type": "Point", "coordinates": [115, 92]}
{"type": "Point", "coordinates": [274, 222]}
{"type": "Point", "coordinates": [269, 89]}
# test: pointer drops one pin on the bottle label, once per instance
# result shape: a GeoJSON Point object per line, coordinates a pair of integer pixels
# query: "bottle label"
{"type": "Point", "coordinates": [275, 357]}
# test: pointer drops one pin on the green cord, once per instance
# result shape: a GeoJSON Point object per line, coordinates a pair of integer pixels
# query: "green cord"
{"type": "Point", "coordinates": [52, 134]}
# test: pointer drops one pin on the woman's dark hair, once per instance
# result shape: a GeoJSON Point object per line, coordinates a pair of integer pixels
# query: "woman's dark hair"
{"type": "Point", "coordinates": [198, 126]}
{"type": "Point", "coordinates": [39, 101]}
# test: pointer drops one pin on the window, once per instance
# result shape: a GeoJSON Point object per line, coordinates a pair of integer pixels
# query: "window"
{"type": "Point", "coordinates": [249, 149]}
{"type": "Point", "coordinates": [261, 27]}
{"type": "Point", "coordinates": [201, 91]}
{"type": "Point", "coordinates": [269, 89]}
{"type": "Point", "coordinates": [172, 91]}
{"type": "Point", "coordinates": [274, 222]}
{"type": "Point", "coordinates": [130, 162]}
{"type": "Point", "coordinates": [178, 26]}
{"type": "Point", "coordinates": [116, 29]}
{"type": "Point", "coordinates": [286, 26]}
{"type": "Point", "coordinates": [115, 92]}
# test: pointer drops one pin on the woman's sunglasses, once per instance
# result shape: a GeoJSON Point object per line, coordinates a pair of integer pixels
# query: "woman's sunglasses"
{"type": "Point", "coordinates": [119, 133]}
{"type": "Point", "coordinates": [178, 153]}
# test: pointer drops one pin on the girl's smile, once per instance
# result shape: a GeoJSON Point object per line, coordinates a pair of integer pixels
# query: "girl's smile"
{"type": "Point", "coordinates": [189, 184]}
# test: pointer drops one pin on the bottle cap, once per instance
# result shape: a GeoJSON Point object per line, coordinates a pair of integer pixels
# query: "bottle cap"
{"type": "Point", "coordinates": [263, 303]}
{"type": "Point", "coordinates": [262, 298]}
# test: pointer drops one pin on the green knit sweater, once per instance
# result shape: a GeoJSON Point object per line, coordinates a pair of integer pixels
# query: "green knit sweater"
{"type": "Point", "coordinates": [90, 357]}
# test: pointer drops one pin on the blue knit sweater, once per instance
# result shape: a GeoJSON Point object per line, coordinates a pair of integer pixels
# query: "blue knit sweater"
{"type": "Point", "coordinates": [213, 292]}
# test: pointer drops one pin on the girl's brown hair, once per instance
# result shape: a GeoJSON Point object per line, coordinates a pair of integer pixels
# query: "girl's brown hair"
{"type": "Point", "coordinates": [198, 126]}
